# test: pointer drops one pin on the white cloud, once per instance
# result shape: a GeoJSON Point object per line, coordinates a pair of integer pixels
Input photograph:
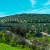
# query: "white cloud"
{"type": "Point", "coordinates": [47, 3]}
{"type": "Point", "coordinates": [2, 14]}
{"type": "Point", "coordinates": [39, 11]}
{"type": "Point", "coordinates": [33, 2]}
{"type": "Point", "coordinates": [42, 11]}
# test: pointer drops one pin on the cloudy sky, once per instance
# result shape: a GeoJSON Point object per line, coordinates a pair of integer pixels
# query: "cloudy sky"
{"type": "Point", "coordinates": [9, 7]}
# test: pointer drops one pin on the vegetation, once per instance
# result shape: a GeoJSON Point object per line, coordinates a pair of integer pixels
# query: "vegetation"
{"type": "Point", "coordinates": [18, 41]}
{"type": "Point", "coordinates": [26, 18]}
{"type": "Point", "coordinates": [40, 22]}
{"type": "Point", "coordinates": [25, 31]}
{"type": "Point", "coordinates": [4, 46]}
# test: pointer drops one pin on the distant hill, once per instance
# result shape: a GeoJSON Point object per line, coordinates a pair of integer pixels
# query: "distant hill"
{"type": "Point", "coordinates": [26, 20]}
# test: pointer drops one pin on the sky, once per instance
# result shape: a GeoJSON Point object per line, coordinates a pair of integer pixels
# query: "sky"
{"type": "Point", "coordinates": [11, 7]}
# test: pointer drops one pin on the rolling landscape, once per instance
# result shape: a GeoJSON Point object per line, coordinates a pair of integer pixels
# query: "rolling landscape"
{"type": "Point", "coordinates": [25, 31]}
{"type": "Point", "coordinates": [24, 24]}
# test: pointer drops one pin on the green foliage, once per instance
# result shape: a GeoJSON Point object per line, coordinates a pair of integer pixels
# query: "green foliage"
{"type": "Point", "coordinates": [2, 38]}
{"type": "Point", "coordinates": [37, 42]}
{"type": "Point", "coordinates": [22, 25]}
{"type": "Point", "coordinates": [13, 42]}
{"type": "Point", "coordinates": [8, 47]}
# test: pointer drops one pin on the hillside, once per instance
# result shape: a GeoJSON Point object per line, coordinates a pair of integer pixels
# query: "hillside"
{"type": "Point", "coordinates": [4, 46]}
{"type": "Point", "coordinates": [31, 21]}
{"type": "Point", "coordinates": [26, 18]}
{"type": "Point", "coordinates": [25, 31]}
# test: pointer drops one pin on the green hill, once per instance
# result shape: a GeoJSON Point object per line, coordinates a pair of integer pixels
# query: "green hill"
{"type": "Point", "coordinates": [26, 18]}
{"type": "Point", "coordinates": [32, 21]}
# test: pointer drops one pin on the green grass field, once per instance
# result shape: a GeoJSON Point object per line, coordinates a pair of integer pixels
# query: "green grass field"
{"type": "Point", "coordinates": [8, 47]}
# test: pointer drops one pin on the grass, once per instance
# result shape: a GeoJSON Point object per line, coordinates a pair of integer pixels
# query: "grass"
{"type": "Point", "coordinates": [4, 46]}
{"type": "Point", "coordinates": [8, 47]}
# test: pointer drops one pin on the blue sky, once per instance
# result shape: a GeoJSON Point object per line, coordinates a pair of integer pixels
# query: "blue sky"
{"type": "Point", "coordinates": [9, 7]}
